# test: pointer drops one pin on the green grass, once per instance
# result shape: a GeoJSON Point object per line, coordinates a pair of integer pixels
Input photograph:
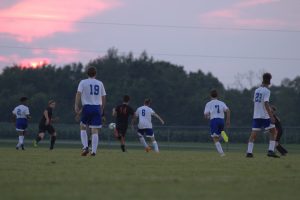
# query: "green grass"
{"type": "Point", "coordinates": [64, 174]}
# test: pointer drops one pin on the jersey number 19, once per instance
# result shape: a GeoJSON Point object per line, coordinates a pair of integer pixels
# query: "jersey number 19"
{"type": "Point", "coordinates": [94, 90]}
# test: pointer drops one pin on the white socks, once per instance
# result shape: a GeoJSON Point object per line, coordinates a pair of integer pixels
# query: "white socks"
{"type": "Point", "coordinates": [272, 145]}
{"type": "Point", "coordinates": [219, 148]}
{"type": "Point", "coordinates": [250, 147]}
{"type": "Point", "coordinates": [155, 146]}
{"type": "Point", "coordinates": [84, 138]}
{"type": "Point", "coordinates": [95, 141]}
{"type": "Point", "coordinates": [142, 140]}
{"type": "Point", "coordinates": [21, 140]}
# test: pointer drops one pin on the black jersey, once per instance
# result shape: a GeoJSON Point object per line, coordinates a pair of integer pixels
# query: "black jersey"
{"type": "Point", "coordinates": [43, 120]}
{"type": "Point", "coordinates": [123, 112]}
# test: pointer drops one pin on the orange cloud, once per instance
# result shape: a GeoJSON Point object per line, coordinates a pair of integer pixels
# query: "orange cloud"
{"type": "Point", "coordinates": [235, 15]}
{"type": "Point", "coordinates": [32, 19]}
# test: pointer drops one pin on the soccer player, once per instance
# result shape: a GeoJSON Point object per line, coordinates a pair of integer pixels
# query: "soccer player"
{"type": "Point", "coordinates": [215, 111]}
{"type": "Point", "coordinates": [122, 113]}
{"type": "Point", "coordinates": [144, 115]}
{"type": "Point", "coordinates": [279, 131]}
{"type": "Point", "coordinates": [91, 93]}
{"type": "Point", "coordinates": [263, 117]}
{"type": "Point", "coordinates": [21, 115]}
{"type": "Point", "coordinates": [46, 125]}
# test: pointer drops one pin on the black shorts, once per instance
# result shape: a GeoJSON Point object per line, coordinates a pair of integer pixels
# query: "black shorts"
{"type": "Point", "coordinates": [43, 128]}
{"type": "Point", "coordinates": [121, 130]}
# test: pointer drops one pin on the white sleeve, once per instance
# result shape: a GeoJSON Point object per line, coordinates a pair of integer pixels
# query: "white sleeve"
{"type": "Point", "coordinates": [267, 96]}
{"type": "Point", "coordinates": [225, 107]}
{"type": "Point", "coordinates": [103, 92]}
{"type": "Point", "coordinates": [80, 87]}
{"type": "Point", "coordinates": [152, 111]}
{"type": "Point", "coordinates": [14, 111]}
{"type": "Point", "coordinates": [206, 109]}
{"type": "Point", "coordinates": [27, 111]}
{"type": "Point", "coordinates": [137, 113]}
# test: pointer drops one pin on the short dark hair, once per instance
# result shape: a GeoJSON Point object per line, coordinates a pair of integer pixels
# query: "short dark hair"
{"type": "Point", "coordinates": [214, 93]}
{"type": "Point", "coordinates": [51, 101]}
{"type": "Point", "coordinates": [267, 78]}
{"type": "Point", "coordinates": [126, 98]}
{"type": "Point", "coordinates": [23, 99]}
{"type": "Point", "coordinates": [91, 71]}
{"type": "Point", "coordinates": [147, 101]}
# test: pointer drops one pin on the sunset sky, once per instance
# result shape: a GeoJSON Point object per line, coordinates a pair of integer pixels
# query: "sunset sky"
{"type": "Point", "coordinates": [227, 37]}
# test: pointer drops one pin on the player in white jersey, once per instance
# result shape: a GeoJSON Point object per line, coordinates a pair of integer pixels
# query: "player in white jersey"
{"type": "Point", "coordinates": [92, 94]}
{"type": "Point", "coordinates": [215, 111]}
{"type": "Point", "coordinates": [144, 115]}
{"type": "Point", "coordinates": [263, 117]}
{"type": "Point", "coordinates": [21, 115]}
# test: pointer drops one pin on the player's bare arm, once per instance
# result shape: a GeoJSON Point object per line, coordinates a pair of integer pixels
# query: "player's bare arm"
{"type": "Point", "coordinates": [227, 118]}
{"type": "Point", "coordinates": [207, 116]}
{"type": "Point", "coordinates": [46, 117]}
{"type": "Point", "coordinates": [77, 103]}
{"type": "Point", "coordinates": [114, 113]}
{"type": "Point", "coordinates": [160, 119]}
{"type": "Point", "coordinates": [103, 103]}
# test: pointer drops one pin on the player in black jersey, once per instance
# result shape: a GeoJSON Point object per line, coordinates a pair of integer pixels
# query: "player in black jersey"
{"type": "Point", "coordinates": [46, 125]}
{"type": "Point", "coordinates": [279, 130]}
{"type": "Point", "coordinates": [122, 113]}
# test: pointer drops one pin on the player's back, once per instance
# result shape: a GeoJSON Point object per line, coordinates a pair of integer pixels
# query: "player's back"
{"type": "Point", "coordinates": [144, 113]}
{"type": "Point", "coordinates": [261, 95]}
{"type": "Point", "coordinates": [21, 111]}
{"type": "Point", "coordinates": [91, 91]}
{"type": "Point", "coordinates": [123, 112]}
{"type": "Point", "coordinates": [215, 108]}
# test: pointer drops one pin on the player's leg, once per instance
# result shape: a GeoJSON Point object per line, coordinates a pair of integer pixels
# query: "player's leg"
{"type": "Point", "coordinates": [251, 140]}
{"type": "Point", "coordinates": [216, 126]}
{"type": "Point", "coordinates": [150, 134]}
{"type": "Point", "coordinates": [83, 131]}
{"type": "Point", "coordinates": [140, 134]}
{"type": "Point", "coordinates": [95, 125]}
{"type": "Point", "coordinates": [256, 127]}
{"type": "Point", "coordinates": [272, 142]}
{"type": "Point", "coordinates": [20, 139]}
{"type": "Point", "coordinates": [122, 133]}
{"type": "Point", "coordinates": [53, 134]}
{"type": "Point", "coordinates": [40, 136]}
{"type": "Point", "coordinates": [279, 147]}
{"type": "Point", "coordinates": [95, 140]}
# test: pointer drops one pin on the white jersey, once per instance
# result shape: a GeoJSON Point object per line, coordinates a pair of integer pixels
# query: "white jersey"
{"type": "Point", "coordinates": [261, 95]}
{"type": "Point", "coordinates": [91, 91]}
{"type": "Point", "coordinates": [21, 111]}
{"type": "Point", "coordinates": [144, 113]}
{"type": "Point", "coordinates": [215, 109]}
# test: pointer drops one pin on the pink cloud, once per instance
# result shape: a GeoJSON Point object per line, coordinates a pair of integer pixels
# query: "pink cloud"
{"type": "Point", "coordinates": [32, 19]}
{"type": "Point", "coordinates": [235, 15]}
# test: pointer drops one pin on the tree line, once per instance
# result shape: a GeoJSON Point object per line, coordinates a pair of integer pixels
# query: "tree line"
{"type": "Point", "coordinates": [179, 97]}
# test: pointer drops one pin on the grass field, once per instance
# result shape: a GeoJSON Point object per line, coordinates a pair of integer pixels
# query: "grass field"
{"type": "Point", "coordinates": [172, 174]}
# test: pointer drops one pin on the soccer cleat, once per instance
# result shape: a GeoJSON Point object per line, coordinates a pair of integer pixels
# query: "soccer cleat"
{"type": "Point", "coordinates": [249, 155]}
{"type": "Point", "coordinates": [224, 136]}
{"type": "Point", "coordinates": [148, 149]}
{"type": "Point", "coordinates": [272, 154]}
{"type": "Point", "coordinates": [35, 143]}
{"type": "Point", "coordinates": [222, 155]}
{"type": "Point", "coordinates": [17, 148]}
{"type": "Point", "coordinates": [93, 154]}
{"type": "Point", "coordinates": [85, 152]}
{"type": "Point", "coordinates": [22, 147]}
